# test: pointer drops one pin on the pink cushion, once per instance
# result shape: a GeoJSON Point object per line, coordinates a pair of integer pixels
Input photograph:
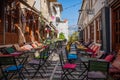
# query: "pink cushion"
{"type": "Point", "coordinates": [116, 64]}
{"type": "Point", "coordinates": [109, 58]}
{"type": "Point", "coordinates": [96, 74]}
{"type": "Point", "coordinates": [69, 66]}
{"type": "Point", "coordinates": [34, 45]}
{"type": "Point", "coordinates": [114, 70]}
{"type": "Point", "coordinates": [26, 47]}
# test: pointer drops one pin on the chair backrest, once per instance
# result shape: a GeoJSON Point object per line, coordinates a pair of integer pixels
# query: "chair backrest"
{"type": "Point", "coordinates": [52, 46]}
{"type": "Point", "coordinates": [61, 59]}
{"type": "Point", "coordinates": [66, 51]}
{"type": "Point", "coordinates": [7, 60]}
{"type": "Point", "coordinates": [44, 54]}
{"type": "Point", "coordinates": [95, 65]}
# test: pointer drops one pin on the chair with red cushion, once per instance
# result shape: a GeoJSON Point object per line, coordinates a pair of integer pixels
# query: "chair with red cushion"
{"type": "Point", "coordinates": [67, 68]}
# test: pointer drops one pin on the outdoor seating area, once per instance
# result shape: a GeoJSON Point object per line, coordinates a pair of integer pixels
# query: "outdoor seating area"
{"type": "Point", "coordinates": [53, 62]}
{"type": "Point", "coordinates": [38, 41]}
{"type": "Point", "coordinates": [57, 61]}
{"type": "Point", "coordinates": [71, 63]}
{"type": "Point", "coordinates": [19, 61]}
{"type": "Point", "coordinates": [88, 67]}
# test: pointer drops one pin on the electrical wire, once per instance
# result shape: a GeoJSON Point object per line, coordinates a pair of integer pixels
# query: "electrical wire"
{"type": "Point", "coordinates": [72, 5]}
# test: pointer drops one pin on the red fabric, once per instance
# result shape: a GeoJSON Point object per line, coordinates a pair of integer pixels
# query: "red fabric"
{"type": "Point", "coordinates": [15, 54]}
{"type": "Point", "coordinates": [95, 49]}
{"type": "Point", "coordinates": [109, 58]}
{"type": "Point", "coordinates": [89, 50]}
{"type": "Point", "coordinates": [69, 66]}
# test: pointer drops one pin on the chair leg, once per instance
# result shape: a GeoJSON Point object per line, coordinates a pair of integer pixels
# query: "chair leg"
{"type": "Point", "coordinates": [64, 73]}
{"type": "Point", "coordinates": [37, 70]}
{"type": "Point", "coordinates": [20, 75]}
{"type": "Point", "coordinates": [70, 74]}
{"type": "Point", "coordinates": [35, 74]}
{"type": "Point", "coordinates": [43, 70]}
{"type": "Point", "coordinates": [5, 75]}
{"type": "Point", "coordinates": [26, 71]}
{"type": "Point", "coordinates": [82, 73]}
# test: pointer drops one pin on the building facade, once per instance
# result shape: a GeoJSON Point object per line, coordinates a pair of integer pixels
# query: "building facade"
{"type": "Point", "coordinates": [96, 21]}
{"type": "Point", "coordinates": [61, 26]}
{"type": "Point", "coordinates": [23, 21]}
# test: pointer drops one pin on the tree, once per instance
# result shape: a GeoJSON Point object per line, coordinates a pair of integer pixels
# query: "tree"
{"type": "Point", "coordinates": [62, 36]}
{"type": "Point", "coordinates": [73, 37]}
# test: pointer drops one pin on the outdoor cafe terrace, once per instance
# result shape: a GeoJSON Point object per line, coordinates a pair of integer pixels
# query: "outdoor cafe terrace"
{"type": "Point", "coordinates": [58, 61]}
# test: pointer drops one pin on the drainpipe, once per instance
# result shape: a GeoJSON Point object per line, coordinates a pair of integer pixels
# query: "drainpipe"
{"type": "Point", "coordinates": [4, 22]}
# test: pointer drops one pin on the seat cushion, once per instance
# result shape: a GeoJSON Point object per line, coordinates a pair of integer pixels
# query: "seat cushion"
{"type": "Point", "coordinates": [27, 47]}
{"type": "Point", "coordinates": [116, 64]}
{"type": "Point", "coordinates": [13, 68]}
{"type": "Point", "coordinates": [10, 50]}
{"type": "Point", "coordinates": [96, 74]}
{"type": "Point", "coordinates": [69, 66]}
{"type": "Point", "coordinates": [114, 70]}
{"type": "Point", "coordinates": [72, 56]}
{"type": "Point", "coordinates": [109, 58]}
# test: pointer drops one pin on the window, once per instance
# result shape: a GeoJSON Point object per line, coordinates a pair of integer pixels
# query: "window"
{"type": "Point", "coordinates": [11, 17]}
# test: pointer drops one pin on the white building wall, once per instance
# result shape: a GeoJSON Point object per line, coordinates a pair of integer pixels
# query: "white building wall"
{"type": "Point", "coordinates": [37, 4]}
{"type": "Point", "coordinates": [63, 27]}
{"type": "Point", "coordinates": [97, 7]}
{"type": "Point", "coordinates": [44, 9]}
{"type": "Point", "coordinates": [58, 12]}
{"type": "Point", "coordinates": [86, 18]}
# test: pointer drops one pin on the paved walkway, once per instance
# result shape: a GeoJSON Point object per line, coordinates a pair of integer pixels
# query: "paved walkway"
{"type": "Point", "coordinates": [53, 72]}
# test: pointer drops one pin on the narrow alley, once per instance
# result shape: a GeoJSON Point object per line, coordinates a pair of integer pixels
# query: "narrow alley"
{"type": "Point", "coordinates": [60, 40]}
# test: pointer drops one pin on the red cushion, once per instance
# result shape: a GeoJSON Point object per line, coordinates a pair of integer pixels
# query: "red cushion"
{"type": "Point", "coordinates": [89, 50]}
{"type": "Point", "coordinates": [69, 66]}
{"type": "Point", "coordinates": [109, 58]}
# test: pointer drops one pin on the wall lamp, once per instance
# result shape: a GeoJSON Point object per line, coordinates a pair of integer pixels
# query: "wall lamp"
{"type": "Point", "coordinates": [88, 11]}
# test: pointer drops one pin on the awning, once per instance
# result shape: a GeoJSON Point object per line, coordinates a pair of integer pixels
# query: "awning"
{"type": "Point", "coordinates": [32, 8]}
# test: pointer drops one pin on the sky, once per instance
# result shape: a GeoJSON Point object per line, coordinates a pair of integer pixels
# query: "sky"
{"type": "Point", "coordinates": [71, 12]}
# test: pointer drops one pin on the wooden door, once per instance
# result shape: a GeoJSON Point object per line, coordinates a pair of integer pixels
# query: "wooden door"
{"type": "Point", "coordinates": [116, 28]}
{"type": "Point", "coordinates": [92, 32]}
